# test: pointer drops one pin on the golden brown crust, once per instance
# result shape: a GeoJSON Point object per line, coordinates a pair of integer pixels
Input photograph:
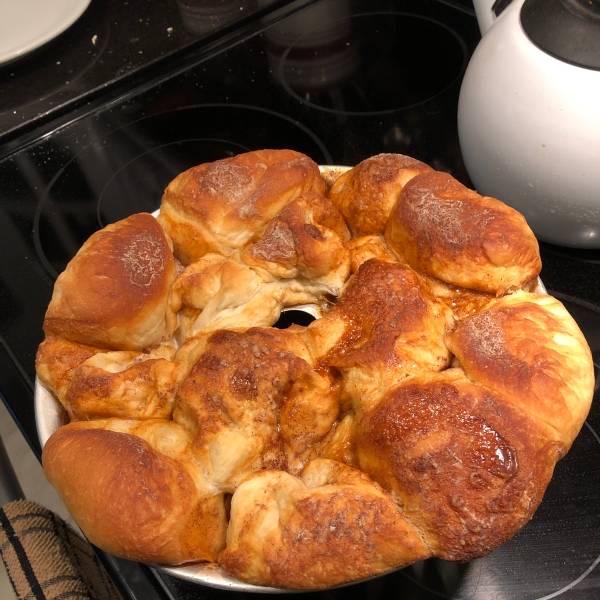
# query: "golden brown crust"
{"type": "Point", "coordinates": [225, 205]}
{"type": "Point", "coordinates": [114, 292]}
{"type": "Point", "coordinates": [56, 361]}
{"type": "Point", "coordinates": [528, 348]}
{"type": "Point", "coordinates": [443, 229]}
{"type": "Point", "coordinates": [467, 469]}
{"type": "Point", "coordinates": [306, 238]}
{"type": "Point", "coordinates": [366, 194]}
{"type": "Point", "coordinates": [252, 402]}
{"type": "Point", "coordinates": [385, 327]}
{"type": "Point", "coordinates": [122, 384]}
{"type": "Point", "coordinates": [132, 500]}
{"type": "Point", "coordinates": [279, 524]}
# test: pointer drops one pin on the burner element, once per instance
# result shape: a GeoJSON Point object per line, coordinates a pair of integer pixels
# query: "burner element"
{"type": "Point", "coordinates": [367, 63]}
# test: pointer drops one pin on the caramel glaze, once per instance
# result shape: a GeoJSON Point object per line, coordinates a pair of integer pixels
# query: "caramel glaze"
{"type": "Point", "coordinates": [467, 469]}
{"type": "Point", "coordinates": [384, 303]}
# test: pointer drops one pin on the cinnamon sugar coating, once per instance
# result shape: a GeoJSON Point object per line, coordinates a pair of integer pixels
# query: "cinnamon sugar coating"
{"type": "Point", "coordinates": [225, 205]}
{"type": "Point", "coordinates": [442, 229]}
{"type": "Point", "coordinates": [114, 292]}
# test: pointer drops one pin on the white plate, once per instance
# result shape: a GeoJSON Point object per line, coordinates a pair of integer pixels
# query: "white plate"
{"type": "Point", "coordinates": [28, 24]}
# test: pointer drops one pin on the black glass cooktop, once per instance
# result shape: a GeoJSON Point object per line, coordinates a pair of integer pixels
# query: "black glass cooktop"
{"type": "Point", "coordinates": [339, 80]}
{"type": "Point", "coordinates": [111, 44]}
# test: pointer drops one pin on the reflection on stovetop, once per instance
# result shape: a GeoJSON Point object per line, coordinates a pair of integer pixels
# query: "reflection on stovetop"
{"type": "Point", "coordinates": [110, 43]}
{"type": "Point", "coordinates": [586, 255]}
{"type": "Point", "coordinates": [340, 81]}
{"type": "Point", "coordinates": [365, 63]}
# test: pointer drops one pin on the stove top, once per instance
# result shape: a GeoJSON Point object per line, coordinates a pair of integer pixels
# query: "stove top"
{"type": "Point", "coordinates": [339, 80]}
{"type": "Point", "coordinates": [111, 44]}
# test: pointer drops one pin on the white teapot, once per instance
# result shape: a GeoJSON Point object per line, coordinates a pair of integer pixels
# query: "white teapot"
{"type": "Point", "coordinates": [529, 115]}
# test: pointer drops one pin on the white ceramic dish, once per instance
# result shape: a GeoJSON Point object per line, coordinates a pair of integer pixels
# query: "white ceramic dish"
{"type": "Point", "coordinates": [49, 416]}
{"type": "Point", "coordinates": [28, 24]}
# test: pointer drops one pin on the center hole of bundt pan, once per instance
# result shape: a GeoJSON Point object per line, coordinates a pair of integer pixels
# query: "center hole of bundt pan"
{"type": "Point", "coordinates": [370, 63]}
{"type": "Point", "coordinates": [294, 317]}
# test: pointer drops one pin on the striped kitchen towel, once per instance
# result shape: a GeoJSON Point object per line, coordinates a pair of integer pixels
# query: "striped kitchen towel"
{"type": "Point", "coordinates": [46, 559]}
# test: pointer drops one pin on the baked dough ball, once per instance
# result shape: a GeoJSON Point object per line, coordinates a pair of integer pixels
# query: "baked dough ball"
{"type": "Point", "coordinates": [55, 362]}
{"type": "Point", "coordinates": [114, 292]}
{"type": "Point", "coordinates": [444, 230]}
{"type": "Point", "coordinates": [305, 239]}
{"type": "Point", "coordinates": [122, 384]}
{"type": "Point", "coordinates": [225, 205]}
{"type": "Point", "coordinates": [216, 292]}
{"type": "Point", "coordinates": [91, 383]}
{"type": "Point", "coordinates": [253, 401]}
{"type": "Point", "coordinates": [136, 491]}
{"type": "Point", "coordinates": [467, 468]}
{"type": "Point", "coordinates": [366, 194]}
{"type": "Point", "coordinates": [529, 349]}
{"type": "Point", "coordinates": [385, 327]}
{"type": "Point", "coordinates": [280, 524]}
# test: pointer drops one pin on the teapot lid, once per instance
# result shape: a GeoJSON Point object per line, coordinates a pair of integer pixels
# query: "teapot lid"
{"type": "Point", "coordinates": [567, 29]}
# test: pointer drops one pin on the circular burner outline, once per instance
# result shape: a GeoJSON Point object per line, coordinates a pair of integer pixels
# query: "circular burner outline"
{"type": "Point", "coordinates": [40, 205]}
{"type": "Point", "coordinates": [129, 162]}
{"type": "Point", "coordinates": [461, 42]}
